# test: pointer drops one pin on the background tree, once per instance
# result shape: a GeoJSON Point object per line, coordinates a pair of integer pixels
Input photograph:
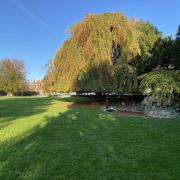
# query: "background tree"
{"type": "Point", "coordinates": [162, 53]}
{"type": "Point", "coordinates": [178, 32]}
{"type": "Point", "coordinates": [148, 37]}
{"type": "Point", "coordinates": [163, 85]}
{"type": "Point", "coordinates": [176, 50]}
{"type": "Point", "coordinates": [12, 76]}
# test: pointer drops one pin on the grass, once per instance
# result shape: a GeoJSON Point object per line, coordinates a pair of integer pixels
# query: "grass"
{"type": "Point", "coordinates": [40, 139]}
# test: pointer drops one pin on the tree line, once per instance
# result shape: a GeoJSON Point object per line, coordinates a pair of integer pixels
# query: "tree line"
{"type": "Point", "coordinates": [111, 53]}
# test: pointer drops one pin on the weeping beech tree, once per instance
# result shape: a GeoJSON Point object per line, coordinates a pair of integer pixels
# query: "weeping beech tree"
{"type": "Point", "coordinates": [96, 57]}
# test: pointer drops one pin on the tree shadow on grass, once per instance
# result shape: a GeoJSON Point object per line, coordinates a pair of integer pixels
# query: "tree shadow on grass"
{"type": "Point", "coordinates": [13, 108]}
{"type": "Point", "coordinates": [84, 143]}
{"type": "Point", "coordinates": [79, 99]}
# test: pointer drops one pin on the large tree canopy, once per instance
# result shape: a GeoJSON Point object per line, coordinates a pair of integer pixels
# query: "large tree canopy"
{"type": "Point", "coordinates": [107, 52]}
{"type": "Point", "coordinates": [89, 59]}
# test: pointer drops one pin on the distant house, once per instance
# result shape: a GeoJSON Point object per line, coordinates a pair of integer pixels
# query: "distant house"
{"type": "Point", "coordinates": [36, 86]}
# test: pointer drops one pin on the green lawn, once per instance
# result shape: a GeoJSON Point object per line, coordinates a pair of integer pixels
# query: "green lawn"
{"type": "Point", "coordinates": [42, 139]}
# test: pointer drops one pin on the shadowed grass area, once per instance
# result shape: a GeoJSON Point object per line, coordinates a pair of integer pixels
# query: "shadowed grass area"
{"type": "Point", "coordinates": [41, 140]}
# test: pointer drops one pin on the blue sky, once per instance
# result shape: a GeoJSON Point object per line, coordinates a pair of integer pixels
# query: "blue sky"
{"type": "Point", "coordinates": [33, 30]}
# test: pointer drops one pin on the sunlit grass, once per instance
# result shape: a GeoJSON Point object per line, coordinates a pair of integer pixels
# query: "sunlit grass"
{"type": "Point", "coordinates": [40, 139]}
{"type": "Point", "coordinates": [18, 124]}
